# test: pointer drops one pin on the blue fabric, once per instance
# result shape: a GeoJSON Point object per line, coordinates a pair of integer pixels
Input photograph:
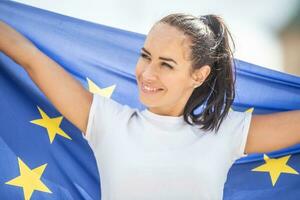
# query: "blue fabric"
{"type": "Point", "coordinates": [108, 56]}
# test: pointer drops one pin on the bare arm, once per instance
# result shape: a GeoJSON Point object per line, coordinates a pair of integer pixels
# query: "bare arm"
{"type": "Point", "coordinates": [68, 96]}
{"type": "Point", "coordinates": [273, 132]}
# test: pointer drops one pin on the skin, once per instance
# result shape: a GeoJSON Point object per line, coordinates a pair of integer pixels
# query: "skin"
{"type": "Point", "coordinates": [267, 132]}
{"type": "Point", "coordinates": [67, 94]}
{"type": "Point", "coordinates": [176, 80]}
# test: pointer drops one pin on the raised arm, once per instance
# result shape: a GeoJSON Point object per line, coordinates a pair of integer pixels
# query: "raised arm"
{"type": "Point", "coordinates": [68, 96]}
{"type": "Point", "coordinates": [274, 131]}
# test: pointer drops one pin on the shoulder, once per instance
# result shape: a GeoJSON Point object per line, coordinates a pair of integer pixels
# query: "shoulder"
{"type": "Point", "coordinates": [105, 113]}
{"type": "Point", "coordinates": [236, 117]}
{"type": "Point", "coordinates": [234, 132]}
{"type": "Point", "coordinates": [109, 104]}
{"type": "Point", "coordinates": [106, 110]}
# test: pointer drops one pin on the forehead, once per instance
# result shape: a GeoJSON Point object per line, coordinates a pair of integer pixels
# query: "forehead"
{"type": "Point", "coordinates": [164, 39]}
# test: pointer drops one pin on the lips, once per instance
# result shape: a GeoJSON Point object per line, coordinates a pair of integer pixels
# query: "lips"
{"type": "Point", "coordinates": [150, 89]}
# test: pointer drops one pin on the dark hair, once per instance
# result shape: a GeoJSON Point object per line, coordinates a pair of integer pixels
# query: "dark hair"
{"type": "Point", "coordinates": [210, 46]}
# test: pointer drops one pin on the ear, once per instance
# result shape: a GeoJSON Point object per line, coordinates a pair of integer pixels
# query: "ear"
{"type": "Point", "coordinates": [200, 75]}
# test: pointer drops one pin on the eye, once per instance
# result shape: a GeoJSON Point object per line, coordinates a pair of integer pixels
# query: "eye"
{"type": "Point", "coordinates": [166, 64]}
{"type": "Point", "coordinates": [148, 58]}
{"type": "Point", "coordinates": [144, 55]}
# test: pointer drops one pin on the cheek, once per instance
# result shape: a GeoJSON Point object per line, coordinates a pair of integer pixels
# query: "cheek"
{"type": "Point", "coordinates": [138, 70]}
{"type": "Point", "coordinates": [177, 85]}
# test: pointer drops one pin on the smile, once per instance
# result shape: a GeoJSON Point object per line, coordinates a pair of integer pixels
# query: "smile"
{"type": "Point", "coordinates": [147, 89]}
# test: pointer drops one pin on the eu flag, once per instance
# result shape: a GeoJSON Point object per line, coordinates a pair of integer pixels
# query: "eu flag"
{"type": "Point", "coordinates": [43, 156]}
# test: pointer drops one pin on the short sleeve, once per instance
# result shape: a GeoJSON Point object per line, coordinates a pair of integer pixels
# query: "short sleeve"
{"type": "Point", "coordinates": [103, 115]}
{"type": "Point", "coordinates": [235, 129]}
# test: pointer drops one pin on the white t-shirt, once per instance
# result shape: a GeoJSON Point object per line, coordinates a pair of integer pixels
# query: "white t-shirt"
{"type": "Point", "coordinates": [145, 156]}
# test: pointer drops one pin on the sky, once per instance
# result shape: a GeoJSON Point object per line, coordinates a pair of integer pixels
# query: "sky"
{"type": "Point", "coordinates": [253, 24]}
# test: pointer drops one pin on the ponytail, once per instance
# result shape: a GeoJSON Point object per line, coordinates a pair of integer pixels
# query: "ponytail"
{"type": "Point", "coordinates": [210, 46]}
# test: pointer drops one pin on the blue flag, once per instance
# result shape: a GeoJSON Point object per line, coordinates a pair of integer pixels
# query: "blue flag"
{"type": "Point", "coordinates": [43, 156]}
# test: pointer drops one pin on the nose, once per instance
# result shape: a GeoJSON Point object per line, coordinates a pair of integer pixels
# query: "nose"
{"type": "Point", "coordinates": [149, 73]}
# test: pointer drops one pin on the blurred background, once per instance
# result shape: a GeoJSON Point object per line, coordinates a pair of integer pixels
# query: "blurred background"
{"type": "Point", "coordinates": [266, 33]}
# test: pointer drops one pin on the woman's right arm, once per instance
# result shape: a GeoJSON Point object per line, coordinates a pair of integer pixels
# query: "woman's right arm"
{"type": "Point", "coordinates": [67, 95]}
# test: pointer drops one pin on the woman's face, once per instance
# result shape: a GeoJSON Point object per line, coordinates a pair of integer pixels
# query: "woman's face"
{"type": "Point", "coordinates": [163, 71]}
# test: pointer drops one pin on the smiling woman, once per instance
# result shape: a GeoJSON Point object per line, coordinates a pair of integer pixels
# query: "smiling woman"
{"type": "Point", "coordinates": [165, 151]}
{"type": "Point", "coordinates": [201, 49]}
{"type": "Point", "coordinates": [157, 69]}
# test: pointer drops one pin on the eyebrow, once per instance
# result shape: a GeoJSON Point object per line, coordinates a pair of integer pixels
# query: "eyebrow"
{"type": "Point", "coordinates": [162, 58]}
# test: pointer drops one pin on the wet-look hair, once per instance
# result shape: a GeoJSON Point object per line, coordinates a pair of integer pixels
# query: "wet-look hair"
{"type": "Point", "coordinates": [210, 45]}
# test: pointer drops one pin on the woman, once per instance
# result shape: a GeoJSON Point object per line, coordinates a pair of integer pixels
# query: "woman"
{"type": "Point", "coordinates": [166, 151]}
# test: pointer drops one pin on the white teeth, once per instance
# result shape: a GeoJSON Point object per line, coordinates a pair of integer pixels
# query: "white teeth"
{"type": "Point", "coordinates": [149, 89]}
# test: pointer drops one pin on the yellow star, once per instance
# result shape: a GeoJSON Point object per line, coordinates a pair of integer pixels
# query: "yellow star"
{"type": "Point", "coordinates": [106, 92]}
{"type": "Point", "coordinates": [249, 110]}
{"type": "Point", "coordinates": [275, 166]}
{"type": "Point", "coordinates": [29, 179]}
{"type": "Point", "coordinates": [51, 124]}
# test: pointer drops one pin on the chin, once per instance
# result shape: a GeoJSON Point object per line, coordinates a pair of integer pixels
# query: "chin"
{"type": "Point", "coordinates": [147, 102]}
